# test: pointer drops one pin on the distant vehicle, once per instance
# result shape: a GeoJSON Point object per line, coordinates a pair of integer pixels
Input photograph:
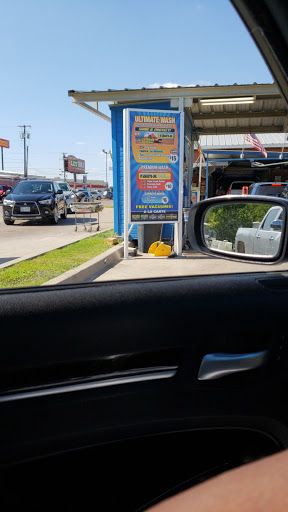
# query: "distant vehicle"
{"type": "Point", "coordinates": [69, 194]}
{"type": "Point", "coordinates": [97, 193]}
{"type": "Point", "coordinates": [236, 187]}
{"type": "Point", "coordinates": [264, 237]}
{"type": "Point", "coordinates": [4, 191]}
{"type": "Point", "coordinates": [267, 189]}
{"type": "Point", "coordinates": [35, 199]}
{"type": "Point", "coordinates": [107, 195]}
{"type": "Point", "coordinates": [84, 195]}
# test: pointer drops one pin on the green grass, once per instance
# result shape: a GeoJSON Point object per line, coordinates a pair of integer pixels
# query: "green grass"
{"type": "Point", "coordinates": [41, 269]}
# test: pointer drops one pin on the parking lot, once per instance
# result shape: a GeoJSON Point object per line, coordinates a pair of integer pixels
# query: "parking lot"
{"type": "Point", "coordinates": [29, 238]}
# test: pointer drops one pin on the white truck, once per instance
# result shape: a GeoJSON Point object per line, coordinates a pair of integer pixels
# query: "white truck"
{"type": "Point", "coordinates": [264, 237]}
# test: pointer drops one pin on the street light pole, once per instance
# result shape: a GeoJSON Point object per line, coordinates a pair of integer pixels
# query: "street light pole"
{"type": "Point", "coordinates": [25, 136]}
{"type": "Point", "coordinates": [106, 153]}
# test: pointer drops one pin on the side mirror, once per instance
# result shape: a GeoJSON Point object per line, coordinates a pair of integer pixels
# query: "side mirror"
{"type": "Point", "coordinates": [59, 191]}
{"type": "Point", "coordinates": [276, 225]}
{"type": "Point", "coordinates": [243, 228]}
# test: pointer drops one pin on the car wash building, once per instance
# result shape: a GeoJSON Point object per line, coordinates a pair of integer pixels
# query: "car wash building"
{"type": "Point", "coordinates": [213, 110]}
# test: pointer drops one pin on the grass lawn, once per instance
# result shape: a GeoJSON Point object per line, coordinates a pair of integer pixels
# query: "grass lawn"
{"type": "Point", "coordinates": [41, 269]}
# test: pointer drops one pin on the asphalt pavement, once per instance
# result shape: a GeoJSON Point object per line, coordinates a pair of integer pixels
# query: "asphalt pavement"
{"type": "Point", "coordinates": [26, 239]}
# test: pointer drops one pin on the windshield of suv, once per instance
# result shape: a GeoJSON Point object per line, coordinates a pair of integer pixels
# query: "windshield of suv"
{"type": "Point", "coordinates": [199, 69]}
{"type": "Point", "coordinates": [64, 186]}
{"type": "Point", "coordinates": [35, 187]}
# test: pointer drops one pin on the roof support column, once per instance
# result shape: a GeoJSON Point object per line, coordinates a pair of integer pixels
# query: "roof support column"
{"type": "Point", "coordinates": [207, 176]}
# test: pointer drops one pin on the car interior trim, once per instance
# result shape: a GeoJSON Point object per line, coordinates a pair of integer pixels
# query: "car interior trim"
{"type": "Point", "coordinates": [216, 366]}
{"type": "Point", "coordinates": [147, 375]}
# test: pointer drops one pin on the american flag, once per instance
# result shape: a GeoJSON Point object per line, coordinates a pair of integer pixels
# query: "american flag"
{"type": "Point", "coordinates": [253, 139]}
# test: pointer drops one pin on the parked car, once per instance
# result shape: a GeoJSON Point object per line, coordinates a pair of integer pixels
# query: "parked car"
{"type": "Point", "coordinates": [35, 199]}
{"type": "Point", "coordinates": [84, 195]}
{"type": "Point", "coordinates": [107, 195]}
{"type": "Point", "coordinates": [69, 194]}
{"type": "Point", "coordinates": [236, 187]}
{"type": "Point", "coordinates": [4, 191]}
{"type": "Point", "coordinates": [263, 237]}
{"type": "Point", "coordinates": [267, 189]}
{"type": "Point", "coordinates": [97, 193]}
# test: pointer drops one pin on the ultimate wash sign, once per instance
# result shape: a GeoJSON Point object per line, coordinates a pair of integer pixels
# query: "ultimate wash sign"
{"type": "Point", "coordinates": [153, 165]}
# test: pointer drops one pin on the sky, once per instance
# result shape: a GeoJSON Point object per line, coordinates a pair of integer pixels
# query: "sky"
{"type": "Point", "coordinates": [51, 47]}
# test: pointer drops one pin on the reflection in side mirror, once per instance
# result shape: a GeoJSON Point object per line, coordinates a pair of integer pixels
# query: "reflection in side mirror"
{"type": "Point", "coordinates": [277, 225]}
{"type": "Point", "coordinates": [246, 228]}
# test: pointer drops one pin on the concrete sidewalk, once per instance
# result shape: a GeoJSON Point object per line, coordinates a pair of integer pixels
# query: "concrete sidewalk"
{"type": "Point", "coordinates": [22, 242]}
{"type": "Point", "coordinates": [145, 266]}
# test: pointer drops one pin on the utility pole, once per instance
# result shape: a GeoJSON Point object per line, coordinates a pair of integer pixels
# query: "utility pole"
{"type": "Point", "coordinates": [24, 135]}
{"type": "Point", "coordinates": [64, 156]}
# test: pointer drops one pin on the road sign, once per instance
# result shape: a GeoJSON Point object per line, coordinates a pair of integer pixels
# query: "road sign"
{"type": "Point", "coordinates": [4, 143]}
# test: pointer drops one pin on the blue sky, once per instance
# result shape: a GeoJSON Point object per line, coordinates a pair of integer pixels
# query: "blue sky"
{"type": "Point", "coordinates": [51, 47]}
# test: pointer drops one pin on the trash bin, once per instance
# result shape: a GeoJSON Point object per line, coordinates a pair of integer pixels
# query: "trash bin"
{"type": "Point", "coordinates": [147, 234]}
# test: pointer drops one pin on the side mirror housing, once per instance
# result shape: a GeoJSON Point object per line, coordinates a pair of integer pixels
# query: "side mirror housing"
{"type": "Point", "coordinates": [234, 221]}
{"type": "Point", "coordinates": [276, 225]}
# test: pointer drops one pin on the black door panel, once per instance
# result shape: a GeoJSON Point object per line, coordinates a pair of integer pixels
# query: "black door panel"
{"type": "Point", "coordinates": [137, 373]}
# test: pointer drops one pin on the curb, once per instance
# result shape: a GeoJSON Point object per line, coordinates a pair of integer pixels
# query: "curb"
{"type": "Point", "coordinates": [92, 268]}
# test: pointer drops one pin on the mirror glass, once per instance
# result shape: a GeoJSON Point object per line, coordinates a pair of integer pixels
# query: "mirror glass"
{"type": "Point", "coordinates": [247, 228]}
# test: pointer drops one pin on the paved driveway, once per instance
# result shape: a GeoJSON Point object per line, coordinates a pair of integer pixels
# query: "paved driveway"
{"type": "Point", "coordinates": [26, 239]}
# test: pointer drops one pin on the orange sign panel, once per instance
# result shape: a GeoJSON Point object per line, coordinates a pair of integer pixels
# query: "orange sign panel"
{"type": "Point", "coordinates": [4, 143]}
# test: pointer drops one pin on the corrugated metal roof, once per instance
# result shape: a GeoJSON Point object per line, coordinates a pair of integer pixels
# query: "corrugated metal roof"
{"type": "Point", "coordinates": [267, 114]}
{"type": "Point", "coordinates": [269, 140]}
{"type": "Point", "coordinates": [149, 88]}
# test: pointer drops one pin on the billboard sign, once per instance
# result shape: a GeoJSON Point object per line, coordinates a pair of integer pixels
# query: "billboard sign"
{"type": "Point", "coordinates": [153, 163]}
{"type": "Point", "coordinates": [75, 165]}
{"type": "Point", "coordinates": [4, 143]}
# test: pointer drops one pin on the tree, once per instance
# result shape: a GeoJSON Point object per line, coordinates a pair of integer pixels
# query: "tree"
{"type": "Point", "coordinates": [228, 218]}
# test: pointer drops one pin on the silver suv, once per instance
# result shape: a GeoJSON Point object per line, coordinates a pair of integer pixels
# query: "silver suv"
{"type": "Point", "coordinates": [70, 196]}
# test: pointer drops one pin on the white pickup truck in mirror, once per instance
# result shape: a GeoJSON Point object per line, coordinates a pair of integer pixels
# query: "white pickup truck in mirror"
{"type": "Point", "coordinates": [243, 228]}
{"type": "Point", "coordinates": [264, 237]}
{"type": "Point", "coordinates": [253, 228]}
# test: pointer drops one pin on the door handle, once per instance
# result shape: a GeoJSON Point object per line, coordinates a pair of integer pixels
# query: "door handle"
{"type": "Point", "coordinates": [218, 365]}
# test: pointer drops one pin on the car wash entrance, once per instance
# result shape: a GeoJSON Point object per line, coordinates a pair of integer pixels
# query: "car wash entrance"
{"type": "Point", "coordinates": [207, 111]}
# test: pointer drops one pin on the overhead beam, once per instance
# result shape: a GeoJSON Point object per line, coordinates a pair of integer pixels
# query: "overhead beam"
{"type": "Point", "coordinates": [243, 129]}
{"type": "Point", "coordinates": [239, 115]}
{"type": "Point", "coordinates": [92, 110]}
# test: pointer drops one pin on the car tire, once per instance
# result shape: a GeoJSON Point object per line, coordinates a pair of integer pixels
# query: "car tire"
{"type": "Point", "coordinates": [64, 214]}
{"type": "Point", "coordinates": [55, 218]}
{"type": "Point", "coordinates": [98, 198]}
{"type": "Point", "coordinates": [8, 222]}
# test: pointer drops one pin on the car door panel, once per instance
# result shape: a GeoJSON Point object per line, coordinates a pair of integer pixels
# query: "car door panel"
{"type": "Point", "coordinates": [135, 377]}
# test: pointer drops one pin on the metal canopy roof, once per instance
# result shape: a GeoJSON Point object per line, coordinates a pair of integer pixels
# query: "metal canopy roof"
{"type": "Point", "coordinates": [267, 114]}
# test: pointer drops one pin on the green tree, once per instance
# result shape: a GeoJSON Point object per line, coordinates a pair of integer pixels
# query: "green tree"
{"type": "Point", "coordinates": [226, 219]}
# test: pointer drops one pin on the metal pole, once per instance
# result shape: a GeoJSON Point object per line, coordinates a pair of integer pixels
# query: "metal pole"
{"type": "Point", "coordinates": [2, 159]}
{"type": "Point", "coordinates": [25, 168]}
{"type": "Point", "coordinates": [200, 175]}
{"type": "Point", "coordinates": [126, 181]}
{"type": "Point", "coordinates": [64, 170]}
{"type": "Point", "coordinates": [207, 176]}
{"type": "Point", "coordinates": [106, 172]}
